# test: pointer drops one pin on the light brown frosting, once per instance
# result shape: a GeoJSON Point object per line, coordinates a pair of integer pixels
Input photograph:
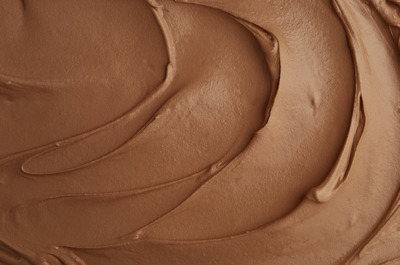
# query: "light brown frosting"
{"type": "Point", "coordinates": [199, 132]}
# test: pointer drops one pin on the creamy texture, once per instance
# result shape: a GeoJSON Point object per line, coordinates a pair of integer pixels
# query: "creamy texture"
{"type": "Point", "coordinates": [199, 132]}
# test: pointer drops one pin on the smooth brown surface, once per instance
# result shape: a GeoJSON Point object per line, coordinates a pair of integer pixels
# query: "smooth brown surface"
{"type": "Point", "coordinates": [199, 132]}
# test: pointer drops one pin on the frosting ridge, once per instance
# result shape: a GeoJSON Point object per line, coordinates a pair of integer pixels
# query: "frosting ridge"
{"type": "Point", "coordinates": [260, 136]}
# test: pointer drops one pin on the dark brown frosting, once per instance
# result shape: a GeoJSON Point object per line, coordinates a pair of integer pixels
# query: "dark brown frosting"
{"type": "Point", "coordinates": [199, 132]}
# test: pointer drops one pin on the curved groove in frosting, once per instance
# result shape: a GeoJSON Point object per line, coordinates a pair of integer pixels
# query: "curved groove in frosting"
{"type": "Point", "coordinates": [121, 202]}
{"type": "Point", "coordinates": [385, 84]}
{"type": "Point", "coordinates": [39, 163]}
{"type": "Point", "coordinates": [340, 170]}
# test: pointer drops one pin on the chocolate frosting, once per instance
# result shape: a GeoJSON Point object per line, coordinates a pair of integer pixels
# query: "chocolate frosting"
{"type": "Point", "coordinates": [199, 132]}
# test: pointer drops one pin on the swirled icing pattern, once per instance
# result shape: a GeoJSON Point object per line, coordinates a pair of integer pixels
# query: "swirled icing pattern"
{"type": "Point", "coordinates": [199, 132]}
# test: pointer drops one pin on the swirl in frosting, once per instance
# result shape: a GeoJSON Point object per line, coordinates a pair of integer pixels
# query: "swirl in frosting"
{"type": "Point", "coordinates": [199, 132]}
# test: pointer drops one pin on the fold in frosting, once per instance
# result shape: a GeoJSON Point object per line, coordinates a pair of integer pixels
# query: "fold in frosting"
{"type": "Point", "coordinates": [199, 132]}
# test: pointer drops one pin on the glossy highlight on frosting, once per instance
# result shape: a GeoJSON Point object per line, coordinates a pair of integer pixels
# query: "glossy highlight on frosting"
{"type": "Point", "coordinates": [199, 132]}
